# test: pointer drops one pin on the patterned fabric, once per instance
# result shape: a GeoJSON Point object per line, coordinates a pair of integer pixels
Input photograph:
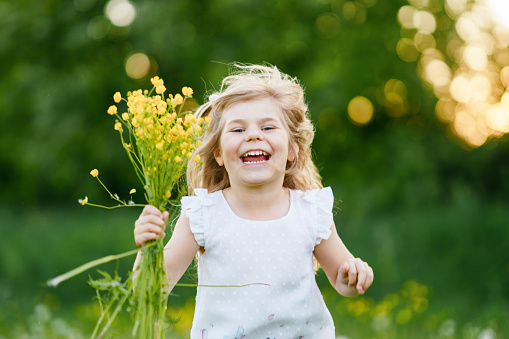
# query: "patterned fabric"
{"type": "Point", "coordinates": [276, 254]}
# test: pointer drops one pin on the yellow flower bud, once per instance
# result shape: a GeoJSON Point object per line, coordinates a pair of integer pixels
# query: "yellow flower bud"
{"type": "Point", "coordinates": [94, 172]}
{"type": "Point", "coordinates": [132, 191]}
{"type": "Point", "coordinates": [112, 110]}
{"type": "Point", "coordinates": [197, 158]}
{"type": "Point", "coordinates": [189, 155]}
{"type": "Point", "coordinates": [206, 119]}
{"type": "Point", "coordinates": [177, 159]}
{"type": "Point", "coordinates": [168, 194]}
{"type": "Point", "coordinates": [117, 97]}
{"type": "Point", "coordinates": [178, 100]}
{"type": "Point", "coordinates": [187, 91]}
{"type": "Point", "coordinates": [160, 145]}
{"type": "Point", "coordinates": [198, 143]}
{"type": "Point", "coordinates": [84, 201]}
{"type": "Point", "coordinates": [118, 126]}
{"type": "Point", "coordinates": [125, 116]}
{"type": "Point", "coordinates": [160, 89]}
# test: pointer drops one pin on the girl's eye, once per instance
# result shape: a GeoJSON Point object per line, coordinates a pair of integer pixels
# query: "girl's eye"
{"type": "Point", "coordinates": [237, 130]}
{"type": "Point", "coordinates": [267, 128]}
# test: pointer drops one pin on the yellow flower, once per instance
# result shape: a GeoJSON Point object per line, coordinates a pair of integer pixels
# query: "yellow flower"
{"type": "Point", "coordinates": [84, 201]}
{"type": "Point", "coordinates": [198, 143]}
{"type": "Point", "coordinates": [132, 191]}
{"type": "Point", "coordinates": [117, 97]}
{"type": "Point", "coordinates": [160, 89]}
{"type": "Point", "coordinates": [94, 172]}
{"type": "Point", "coordinates": [178, 99]}
{"type": "Point", "coordinates": [125, 116]}
{"type": "Point", "coordinates": [156, 81]}
{"type": "Point", "coordinates": [177, 159]}
{"type": "Point", "coordinates": [189, 155]}
{"type": "Point", "coordinates": [206, 119]}
{"type": "Point", "coordinates": [168, 194]}
{"type": "Point", "coordinates": [118, 126]}
{"type": "Point", "coordinates": [112, 110]}
{"type": "Point", "coordinates": [187, 91]}
{"type": "Point", "coordinates": [160, 145]}
{"type": "Point", "coordinates": [197, 158]}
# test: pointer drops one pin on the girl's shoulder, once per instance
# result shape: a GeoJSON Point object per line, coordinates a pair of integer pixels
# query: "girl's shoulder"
{"type": "Point", "coordinates": [202, 197]}
{"type": "Point", "coordinates": [313, 196]}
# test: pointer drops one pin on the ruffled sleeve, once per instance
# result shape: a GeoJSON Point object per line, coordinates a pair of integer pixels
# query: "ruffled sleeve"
{"type": "Point", "coordinates": [197, 210]}
{"type": "Point", "coordinates": [321, 202]}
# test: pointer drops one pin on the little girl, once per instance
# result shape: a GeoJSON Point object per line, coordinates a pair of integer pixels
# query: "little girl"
{"type": "Point", "coordinates": [257, 217]}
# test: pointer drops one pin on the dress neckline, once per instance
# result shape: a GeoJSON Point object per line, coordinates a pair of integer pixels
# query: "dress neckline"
{"type": "Point", "coordinates": [230, 210]}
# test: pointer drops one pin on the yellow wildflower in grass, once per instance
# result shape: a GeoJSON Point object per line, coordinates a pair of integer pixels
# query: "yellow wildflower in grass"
{"type": "Point", "coordinates": [94, 172]}
{"type": "Point", "coordinates": [187, 91]}
{"type": "Point", "coordinates": [177, 159]}
{"type": "Point", "coordinates": [117, 97]}
{"type": "Point", "coordinates": [132, 191]}
{"type": "Point", "coordinates": [112, 110]}
{"type": "Point", "coordinates": [118, 126]}
{"type": "Point", "coordinates": [84, 201]}
{"type": "Point", "coordinates": [125, 116]}
{"type": "Point", "coordinates": [197, 158]}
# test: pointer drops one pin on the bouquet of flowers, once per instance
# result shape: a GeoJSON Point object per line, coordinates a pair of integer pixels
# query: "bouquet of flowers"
{"type": "Point", "coordinates": [159, 136]}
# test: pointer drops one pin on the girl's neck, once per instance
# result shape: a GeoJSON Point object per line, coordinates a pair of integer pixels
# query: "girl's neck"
{"type": "Point", "coordinates": [258, 204]}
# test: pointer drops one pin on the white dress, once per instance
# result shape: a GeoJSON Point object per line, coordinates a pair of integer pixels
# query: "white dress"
{"type": "Point", "coordinates": [274, 258]}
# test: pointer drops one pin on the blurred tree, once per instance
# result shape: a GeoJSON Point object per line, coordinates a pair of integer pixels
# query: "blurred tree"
{"type": "Point", "coordinates": [63, 60]}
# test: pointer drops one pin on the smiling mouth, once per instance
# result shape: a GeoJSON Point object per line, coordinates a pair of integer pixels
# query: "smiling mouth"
{"type": "Point", "coordinates": [255, 157]}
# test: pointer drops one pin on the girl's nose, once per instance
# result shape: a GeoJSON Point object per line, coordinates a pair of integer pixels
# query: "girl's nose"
{"type": "Point", "coordinates": [253, 134]}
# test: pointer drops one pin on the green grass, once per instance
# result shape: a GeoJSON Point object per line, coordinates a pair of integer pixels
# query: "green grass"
{"type": "Point", "coordinates": [441, 271]}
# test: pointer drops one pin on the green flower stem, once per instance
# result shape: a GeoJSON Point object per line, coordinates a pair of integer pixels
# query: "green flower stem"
{"type": "Point", "coordinates": [113, 207]}
{"type": "Point", "coordinates": [55, 281]}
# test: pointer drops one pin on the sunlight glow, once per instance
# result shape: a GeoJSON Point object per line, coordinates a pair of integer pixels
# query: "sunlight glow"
{"type": "Point", "coordinates": [360, 110]}
{"type": "Point", "coordinates": [120, 12]}
{"type": "Point", "coordinates": [500, 11]}
{"type": "Point", "coordinates": [468, 71]}
{"type": "Point", "coordinates": [137, 65]}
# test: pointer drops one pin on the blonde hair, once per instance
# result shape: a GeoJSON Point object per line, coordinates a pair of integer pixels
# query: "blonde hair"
{"type": "Point", "coordinates": [249, 82]}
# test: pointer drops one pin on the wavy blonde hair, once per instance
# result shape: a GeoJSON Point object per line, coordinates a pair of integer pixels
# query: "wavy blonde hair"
{"type": "Point", "coordinates": [250, 82]}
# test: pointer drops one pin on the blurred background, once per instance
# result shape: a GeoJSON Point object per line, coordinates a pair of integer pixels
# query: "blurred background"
{"type": "Point", "coordinates": [410, 101]}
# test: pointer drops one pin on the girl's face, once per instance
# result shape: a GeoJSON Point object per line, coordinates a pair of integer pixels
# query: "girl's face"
{"type": "Point", "coordinates": [254, 144]}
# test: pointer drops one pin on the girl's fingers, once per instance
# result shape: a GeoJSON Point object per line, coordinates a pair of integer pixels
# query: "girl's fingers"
{"type": "Point", "coordinates": [151, 210]}
{"type": "Point", "coordinates": [352, 273]}
{"type": "Point", "coordinates": [149, 219]}
{"type": "Point", "coordinates": [365, 278]}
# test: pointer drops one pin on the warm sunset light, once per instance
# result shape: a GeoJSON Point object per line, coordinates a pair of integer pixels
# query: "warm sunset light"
{"type": "Point", "coordinates": [467, 68]}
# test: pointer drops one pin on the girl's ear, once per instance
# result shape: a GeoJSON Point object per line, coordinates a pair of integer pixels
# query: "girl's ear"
{"type": "Point", "coordinates": [219, 158]}
{"type": "Point", "coordinates": [292, 152]}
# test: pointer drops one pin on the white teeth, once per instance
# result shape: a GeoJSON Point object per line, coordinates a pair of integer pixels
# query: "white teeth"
{"type": "Point", "coordinates": [254, 153]}
{"type": "Point", "coordinates": [254, 162]}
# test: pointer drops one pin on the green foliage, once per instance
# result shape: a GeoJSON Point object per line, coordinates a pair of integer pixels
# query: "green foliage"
{"type": "Point", "coordinates": [415, 204]}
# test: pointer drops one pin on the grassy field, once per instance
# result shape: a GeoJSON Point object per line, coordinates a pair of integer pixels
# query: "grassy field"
{"type": "Point", "coordinates": [440, 272]}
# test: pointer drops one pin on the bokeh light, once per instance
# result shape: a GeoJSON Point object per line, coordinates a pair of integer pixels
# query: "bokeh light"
{"type": "Point", "coordinates": [137, 65]}
{"type": "Point", "coordinates": [360, 110]}
{"type": "Point", "coordinates": [462, 53]}
{"type": "Point", "coordinates": [121, 13]}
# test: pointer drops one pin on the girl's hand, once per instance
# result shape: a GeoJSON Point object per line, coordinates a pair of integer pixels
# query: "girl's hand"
{"type": "Point", "coordinates": [354, 274]}
{"type": "Point", "coordinates": [150, 225]}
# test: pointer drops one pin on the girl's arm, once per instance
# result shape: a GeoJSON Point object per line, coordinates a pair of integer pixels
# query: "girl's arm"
{"type": "Point", "coordinates": [349, 275]}
{"type": "Point", "coordinates": [180, 250]}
